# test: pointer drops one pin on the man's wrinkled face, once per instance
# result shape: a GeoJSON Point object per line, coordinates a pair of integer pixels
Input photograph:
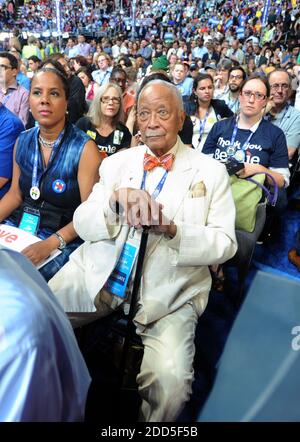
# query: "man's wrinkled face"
{"type": "Point", "coordinates": [159, 117]}
{"type": "Point", "coordinates": [280, 87]}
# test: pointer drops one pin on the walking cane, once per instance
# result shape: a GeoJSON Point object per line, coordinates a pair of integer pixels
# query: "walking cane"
{"type": "Point", "coordinates": [130, 328]}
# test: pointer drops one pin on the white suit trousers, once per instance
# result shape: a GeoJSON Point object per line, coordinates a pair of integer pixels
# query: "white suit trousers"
{"type": "Point", "coordinates": [166, 374]}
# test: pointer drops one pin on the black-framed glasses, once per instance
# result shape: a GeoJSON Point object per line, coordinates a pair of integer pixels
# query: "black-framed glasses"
{"type": "Point", "coordinates": [115, 100]}
{"type": "Point", "coordinates": [5, 67]}
{"type": "Point", "coordinates": [277, 86]}
{"type": "Point", "coordinates": [257, 95]}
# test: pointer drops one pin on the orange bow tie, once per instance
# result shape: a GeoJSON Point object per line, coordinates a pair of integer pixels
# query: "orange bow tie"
{"type": "Point", "coordinates": [166, 161]}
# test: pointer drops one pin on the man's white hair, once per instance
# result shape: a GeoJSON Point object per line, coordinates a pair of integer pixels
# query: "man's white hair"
{"type": "Point", "coordinates": [166, 84]}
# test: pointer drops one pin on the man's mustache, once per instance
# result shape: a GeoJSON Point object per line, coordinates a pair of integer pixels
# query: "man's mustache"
{"type": "Point", "coordinates": [153, 134]}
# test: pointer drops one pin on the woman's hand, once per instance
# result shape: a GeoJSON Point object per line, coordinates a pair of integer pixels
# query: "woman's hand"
{"type": "Point", "coordinates": [39, 251]}
{"type": "Point", "coordinates": [250, 169]}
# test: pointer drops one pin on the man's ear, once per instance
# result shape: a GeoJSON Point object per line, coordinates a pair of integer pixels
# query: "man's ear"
{"type": "Point", "coordinates": [181, 119]}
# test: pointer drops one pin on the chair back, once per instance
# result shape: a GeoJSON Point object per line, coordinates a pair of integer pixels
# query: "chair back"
{"type": "Point", "coordinates": [258, 374]}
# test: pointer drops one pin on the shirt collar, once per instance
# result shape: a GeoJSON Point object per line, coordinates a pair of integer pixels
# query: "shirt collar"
{"type": "Point", "coordinates": [252, 128]}
{"type": "Point", "coordinates": [173, 150]}
{"type": "Point", "coordinates": [13, 86]}
{"type": "Point", "coordinates": [282, 113]}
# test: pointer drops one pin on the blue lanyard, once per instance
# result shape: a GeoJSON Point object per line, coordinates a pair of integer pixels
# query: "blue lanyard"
{"type": "Point", "coordinates": [158, 188]}
{"type": "Point", "coordinates": [231, 147]}
{"type": "Point", "coordinates": [35, 179]}
{"type": "Point", "coordinates": [283, 116]}
{"type": "Point", "coordinates": [202, 127]}
{"type": "Point", "coordinates": [104, 76]}
{"type": "Point", "coordinates": [270, 117]}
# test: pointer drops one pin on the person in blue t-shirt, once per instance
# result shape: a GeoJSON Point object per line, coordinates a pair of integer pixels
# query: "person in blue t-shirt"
{"type": "Point", "coordinates": [10, 128]}
{"type": "Point", "coordinates": [258, 144]}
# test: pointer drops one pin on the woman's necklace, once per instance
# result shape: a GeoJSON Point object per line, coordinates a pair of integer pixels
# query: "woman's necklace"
{"type": "Point", "coordinates": [46, 143]}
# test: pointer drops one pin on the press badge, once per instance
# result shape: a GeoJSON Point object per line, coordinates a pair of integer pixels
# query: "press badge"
{"type": "Point", "coordinates": [118, 135]}
{"type": "Point", "coordinates": [118, 280]}
{"type": "Point", "coordinates": [30, 220]}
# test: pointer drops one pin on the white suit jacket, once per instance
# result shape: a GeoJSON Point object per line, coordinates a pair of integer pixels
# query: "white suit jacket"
{"type": "Point", "coordinates": [175, 270]}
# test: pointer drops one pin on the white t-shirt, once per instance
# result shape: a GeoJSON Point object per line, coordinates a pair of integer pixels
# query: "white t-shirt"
{"type": "Point", "coordinates": [211, 120]}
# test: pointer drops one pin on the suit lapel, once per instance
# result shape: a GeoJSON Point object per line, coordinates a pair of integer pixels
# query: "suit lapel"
{"type": "Point", "coordinates": [177, 183]}
{"type": "Point", "coordinates": [134, 171]}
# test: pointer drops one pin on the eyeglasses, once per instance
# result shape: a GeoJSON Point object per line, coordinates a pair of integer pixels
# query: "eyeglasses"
{"type": "Point", "coordinates": [101, 59]}
{"type": "Point", "coordinates": [276, 86]}
{"type": "Point", "coordinates": [4, 66]}
{"type": "Point", "coordinates": [236, 77]}
{"type": "Point", "coordinates": [257, 95]}
{"type": "Point", "coordinates": [115, 100]}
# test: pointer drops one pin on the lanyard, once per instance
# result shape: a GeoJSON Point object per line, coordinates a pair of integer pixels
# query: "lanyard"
{"type": "Point", "coordinates": [158, 188]}
{"type": "Point", "coordinates": [107, 72]}
{"type": "Point", "coordinates": [35, 179]}
{"type": "Point", "coordinates": [270, 116]}
{"type": "Point", "coordinates": [231, 149]}
{"type": "Point", "coordinates": [202, 127]}
{"type": "Point", "coordinates": [283, 116]}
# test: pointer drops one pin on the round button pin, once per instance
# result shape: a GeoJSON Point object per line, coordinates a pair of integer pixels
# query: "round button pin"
{"type": "Point", "coordinates": [35, 193]}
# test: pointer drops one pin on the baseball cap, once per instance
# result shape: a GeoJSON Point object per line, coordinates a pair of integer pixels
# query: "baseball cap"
{"type": "Point", "coordinates": [210, 66]}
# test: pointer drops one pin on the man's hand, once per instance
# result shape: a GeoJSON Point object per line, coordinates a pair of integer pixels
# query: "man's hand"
{"type": "Point", "coordinates": [166, 227]}
{"type": "Point", "coordinates": [269, 106]}
{"type": "Point", "coordinates": [139, 209]}
{"type": "Point", "coordinates": [38, 252]}
{"type": "Point", "coordinates": [136, 206]}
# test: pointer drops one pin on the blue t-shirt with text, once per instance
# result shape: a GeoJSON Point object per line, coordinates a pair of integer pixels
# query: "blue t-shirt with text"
{"type": "Point", "coordinates": [267, 145]}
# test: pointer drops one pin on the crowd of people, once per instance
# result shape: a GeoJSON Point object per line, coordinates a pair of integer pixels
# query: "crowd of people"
{"type": "Point", "coordinates": [130, 131]}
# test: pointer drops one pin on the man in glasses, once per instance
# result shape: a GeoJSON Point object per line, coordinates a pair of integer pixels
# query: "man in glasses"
{"type": "Point", "coordinates": [12, 95]}
{"type": "Point", "coordinates": [280, 112]}
{"type": "Point", "coordinates": [185, 199]}
{"type": "Point", "coordinates": [101, 76]}
{"type": "Point", "coordinates": [235, 79]}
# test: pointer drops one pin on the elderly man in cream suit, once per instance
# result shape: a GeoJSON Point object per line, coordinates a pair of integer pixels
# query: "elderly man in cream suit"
{"type": "Point", "coordinates": [186, 199]}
